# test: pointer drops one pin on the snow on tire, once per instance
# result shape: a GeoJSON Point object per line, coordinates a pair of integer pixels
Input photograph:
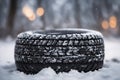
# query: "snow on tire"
{"type": "Point", "coordinates": [61, 50]}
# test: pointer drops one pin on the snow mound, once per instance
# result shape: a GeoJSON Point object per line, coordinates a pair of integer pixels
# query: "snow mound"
{"type": "Point", "coordinates": [109, 72]}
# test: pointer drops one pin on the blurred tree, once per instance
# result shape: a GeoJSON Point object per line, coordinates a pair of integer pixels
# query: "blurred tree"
{"type": "Point", "coordinates": [11, 16]}
{"type": "Point", "coordinates": [4, 7]}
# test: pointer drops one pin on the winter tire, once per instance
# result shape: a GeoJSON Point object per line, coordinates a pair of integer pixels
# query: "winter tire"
{"type": "Point", "coordinates": [62, 50]}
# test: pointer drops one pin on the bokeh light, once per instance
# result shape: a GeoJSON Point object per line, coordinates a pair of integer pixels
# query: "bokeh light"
{"type": "Point", "coordinates": [40, 11]}
{"type": "Point", "coordinates": [105, 24]}
{"type": "Point", "coordinates": [113, 22]}
{"type": "Point", "coordinates": [28, 12]}
{"type": "Point", "coordinates": [32, 17]}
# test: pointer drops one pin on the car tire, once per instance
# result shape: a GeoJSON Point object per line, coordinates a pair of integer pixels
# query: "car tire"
{"type": "Point", "coordinates": [62, 50]}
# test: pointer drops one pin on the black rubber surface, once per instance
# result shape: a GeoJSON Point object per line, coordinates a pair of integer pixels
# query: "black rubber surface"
{"type": "Point", "coordinates": [61, 50]}
{"type": "Point", "coordinates": [58, 67]}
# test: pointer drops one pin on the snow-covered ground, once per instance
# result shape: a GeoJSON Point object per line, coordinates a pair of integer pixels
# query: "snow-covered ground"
{"type": "Point", "coordinates": [110, 71]}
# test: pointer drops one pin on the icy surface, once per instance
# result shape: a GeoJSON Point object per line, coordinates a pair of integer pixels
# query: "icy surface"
{"type": "Point", "coordinates": [111, 70]}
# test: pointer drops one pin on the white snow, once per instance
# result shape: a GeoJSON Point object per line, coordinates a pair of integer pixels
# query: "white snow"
{"type": "Point", "coordinates": [87, 32]}
{"type": "Point", "coordinates": [112, 49]}
{"type": "Point", "coordinates": [110, 71]}
{"type": "Point", "coordinates": [6, 52]}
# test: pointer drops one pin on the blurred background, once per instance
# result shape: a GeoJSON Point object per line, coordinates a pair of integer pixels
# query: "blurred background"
{"type": "Point", "coordinates": [20, 15]}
